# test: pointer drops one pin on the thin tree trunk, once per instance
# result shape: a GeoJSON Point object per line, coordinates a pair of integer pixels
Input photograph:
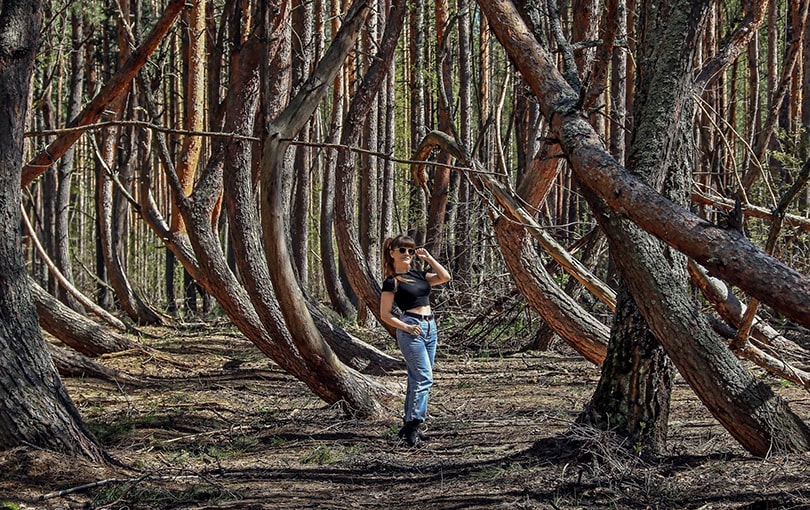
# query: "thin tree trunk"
{"type": "Point", "coordinates": [61, 252]}
{"type": "Point", "coordinates": [299, 219]}
{"type": "Point", "coordinates": [114, 86]}
{"type": "Point", "coordinates": [127, 298]}
{"type": "Point", "coordinates": [437, 207]}
{"type": "Point", "coordinates": [416, 214]}
{"type": "Point", "coordinates": [337, 296]}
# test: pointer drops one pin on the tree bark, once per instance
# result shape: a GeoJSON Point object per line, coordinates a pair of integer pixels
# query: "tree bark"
{"type": "Point", "coordinates": [110, 229]}
{"type": "Point", "coordinates": [35, 408]}
{"type": "Point", "coordinates": [334, 381]}
{"type": "Point", "coordinates": [302, 31]}
{"type": "Point", "coordinates": [64, 169]}
{"type": "Point", "coordinates": [70, 363]}
{"type": "Point", "coordinates": [760, 421]}
{"type": "Point", "coordinates": [360, 275]}
{"type": "Point", "coordinates": [75, 330]}
{"type": "Point", "coordinates": [726, 253]}
{"type": "Point", "coordinates": [437, 206]}
{"type": "Point", "coordinates": [337, 296]}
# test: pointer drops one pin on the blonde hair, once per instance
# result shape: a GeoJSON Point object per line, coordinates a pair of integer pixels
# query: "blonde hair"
{"type": "Point", "coordinates": [392, 243]}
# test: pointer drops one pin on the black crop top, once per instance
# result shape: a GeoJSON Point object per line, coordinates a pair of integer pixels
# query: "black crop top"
{"type": "Point", "coordinates": [411, 289]}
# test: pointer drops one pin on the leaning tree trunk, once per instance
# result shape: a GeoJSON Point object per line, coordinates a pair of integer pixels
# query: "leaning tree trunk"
{"type": "Point", "coordinates": [759, 420]}
{"type": "Point", "coordinates": [76, 330]}
{"type": "Point", "coordinates": [330, 378]}
{"type": "Point", "coordinates": [35, 408]}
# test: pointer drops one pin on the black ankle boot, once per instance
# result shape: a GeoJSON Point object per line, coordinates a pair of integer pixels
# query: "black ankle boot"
{"type": "Point", "coordinates": [410, 432]}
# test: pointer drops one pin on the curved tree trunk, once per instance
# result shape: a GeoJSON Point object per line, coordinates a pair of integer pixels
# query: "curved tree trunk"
{"type": "Point", "coordinates": [253, 308]}
{"type": "Point", "coordinates": [360, 275]}
{"type": "Point", "coordinates": [35, 408]}
{"type": "Point", "coordinates": [128, 299]}
{"type": "Point", "coordinates": [568, 319]}
{"type": "Point", "coordinates": [330, 378]}
{"type": "Point", "coordinates": [759, 420]}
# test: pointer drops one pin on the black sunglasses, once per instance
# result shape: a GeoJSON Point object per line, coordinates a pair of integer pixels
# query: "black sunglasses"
{"type": "Point", "coordinates": [409, 251]}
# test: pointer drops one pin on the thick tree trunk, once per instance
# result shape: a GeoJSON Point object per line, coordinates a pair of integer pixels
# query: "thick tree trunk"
{"type": "Point", "coordinates": [758, 419]}
{"type": "Point", "coordinates": [35, 408]}
{"type": "Point", "coordinates": [632, 397]}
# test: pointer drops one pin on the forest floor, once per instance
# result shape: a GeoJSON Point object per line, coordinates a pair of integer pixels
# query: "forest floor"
{"type": "Point", "coordinates": [216, 425]}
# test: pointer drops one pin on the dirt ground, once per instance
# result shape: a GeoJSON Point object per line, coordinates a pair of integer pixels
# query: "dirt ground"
{"type": "Point", "coordinates": [216, 425]}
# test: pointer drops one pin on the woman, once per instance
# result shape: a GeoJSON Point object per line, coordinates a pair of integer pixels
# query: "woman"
{"type": "Point", "coordinates": [409, 289]}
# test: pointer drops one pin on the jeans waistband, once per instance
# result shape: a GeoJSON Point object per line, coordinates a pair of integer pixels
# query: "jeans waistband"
{"type": "Point", "coordinates": [419, 316]}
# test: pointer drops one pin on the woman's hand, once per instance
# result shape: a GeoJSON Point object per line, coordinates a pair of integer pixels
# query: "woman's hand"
{"type": "Point", "coordinates": [414, 329]}
{"type": "Point", "coordinates": [422, 254]}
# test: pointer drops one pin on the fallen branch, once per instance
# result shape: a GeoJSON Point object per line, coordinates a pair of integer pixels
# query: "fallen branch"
{"type": "Point", "coordinates": [108, 481]}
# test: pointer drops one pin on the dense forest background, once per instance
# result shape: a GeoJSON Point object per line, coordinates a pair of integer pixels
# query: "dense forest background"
{"type": "Point", "coordinates": [753, 119]}
{"type": "Point", "coordinates": [627, 178]}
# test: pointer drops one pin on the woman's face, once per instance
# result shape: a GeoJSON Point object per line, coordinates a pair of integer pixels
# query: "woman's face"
{"type": "Point", "coordinates": [403, 254]}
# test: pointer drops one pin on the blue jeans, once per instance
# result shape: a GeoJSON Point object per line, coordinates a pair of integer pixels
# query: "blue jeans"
{"type": "Point", "coordinates": [419, 352]}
